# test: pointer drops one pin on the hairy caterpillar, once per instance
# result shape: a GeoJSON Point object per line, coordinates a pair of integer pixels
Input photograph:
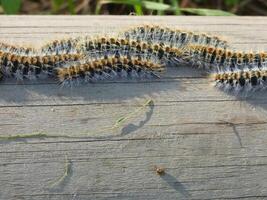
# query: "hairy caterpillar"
{"type": "Point", "coordinates": [171, 37]}
{"type": "Point", "coordinates": [109, 46]}
{"type": "Point", "coordinates": [232, 70]}
{"type": "Point", "coordinates": [31, 67]}
{"type": "Point", "coordinates": [138, 52]}
{"type": "Point", "coordinates": [239, 80]}
{"type": "Point", "coordinates": [109, 67]}
{"type": "Point", "coordinates": [107, 58]}
{"type": "Point", "coordinates": [151, 34]}
{"type": "Point", "coordinates": [218, 59]}
{"type": "Point", "coordinates": [32, 63]}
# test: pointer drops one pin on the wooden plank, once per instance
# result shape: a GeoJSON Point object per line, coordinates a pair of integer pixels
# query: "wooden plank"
{"type": "Point", "coordinates": [75, 119]}
{"type": "Point", "coordinates": [211, 144]}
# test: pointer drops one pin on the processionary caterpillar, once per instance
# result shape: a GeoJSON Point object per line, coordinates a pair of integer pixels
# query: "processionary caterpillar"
{"type": "Point", "coordinates": [137, 52]}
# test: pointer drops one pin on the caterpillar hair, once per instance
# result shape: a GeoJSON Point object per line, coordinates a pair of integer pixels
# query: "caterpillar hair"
{"type": "Point", "coordinates": [109, 67]}
{"type": "Point", "coordinates": [32, 67]}
{"type": "Point", "coordinates": [172, 37]}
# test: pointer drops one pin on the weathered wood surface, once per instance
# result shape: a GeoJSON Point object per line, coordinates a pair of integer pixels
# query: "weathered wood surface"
{"type": "Point", "coordinates": [211, 144]}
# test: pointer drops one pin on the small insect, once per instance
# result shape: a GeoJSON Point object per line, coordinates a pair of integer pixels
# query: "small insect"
{"type": "Point", "coordinates": [159, 170]}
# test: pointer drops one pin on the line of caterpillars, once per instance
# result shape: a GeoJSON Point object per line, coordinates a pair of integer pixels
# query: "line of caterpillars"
{"type": "Point", "coordinates": [138, 52]}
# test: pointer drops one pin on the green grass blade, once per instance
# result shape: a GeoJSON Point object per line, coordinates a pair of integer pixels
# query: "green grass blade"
{"type": "Point", "coordinates": [151, 5]}
{"type": "Point", "coordinates": [11, 6]}
{"type": "Point", "coordinates": [71, 6]}
{"type": "Point", "coordinates": [125, 2]}
{"type": "Point", "coordinates": [160, 12]}
{"type": "Point", "coordinates": [176, 7]}
{"type": "Point", "coordinates": [231, 2]}
{"type": "Point", "coordinates": [98, 7]}
{"type": "Point", "coordinates": [138, 8]}
{"type": "Point", "coordinates": [206, 12]}
{"type": "Point", "coordinates": [56, 5]}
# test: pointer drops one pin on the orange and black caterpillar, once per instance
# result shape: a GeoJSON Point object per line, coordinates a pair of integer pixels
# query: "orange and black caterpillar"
{"type": "Point", "coordinates": [171, 37]}
{"type": "Point", "coordinates": [232, 70]}
{"type": "Point", "coordinates": [131, 54]}
{"type": "Point", "coordinates": [218, 59]}
{"type": "Point", "coordinates": [150, 34]}
{"type": "Point", "coordinates": [108, 67]}
{"type": "Point", "coordinates": [241, 79]}
{"type": "Point", "coordinates": [105, 46]}
{"type": "Point", "coordinates": [32, 67]}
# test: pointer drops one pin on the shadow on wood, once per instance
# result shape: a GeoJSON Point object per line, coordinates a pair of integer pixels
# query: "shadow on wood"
{"type": "Point", "coordinates": [175, 184]}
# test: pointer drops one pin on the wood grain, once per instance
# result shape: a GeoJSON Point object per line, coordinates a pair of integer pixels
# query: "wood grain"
{"type": "Point", "coordinates": [212, 145]}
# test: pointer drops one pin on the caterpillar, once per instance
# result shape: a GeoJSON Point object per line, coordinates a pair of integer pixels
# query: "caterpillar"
{"type": "Point", "coordinates": [218, 59]}
{"type": "Point", "coordinates": [108, 67]}
{"type": "Point", "coordinates": [239, 80]}
{"type": "Point", "coordinates": [232, 70]}
{"type": "Point", "coordinates": [105, 46]}
{"type": "Point", "coordinates": [32, 67]}
{"type": "Point", "coordinates": [151, 41]}
{"type": "Point", "coordinates": [172, 37]}
{"type": "Point", "coordinates": [151, 34]}
{"type": "Point", "coordinates": [7, 48]}
{"type": "Point", "coordinates": [107, 58]}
